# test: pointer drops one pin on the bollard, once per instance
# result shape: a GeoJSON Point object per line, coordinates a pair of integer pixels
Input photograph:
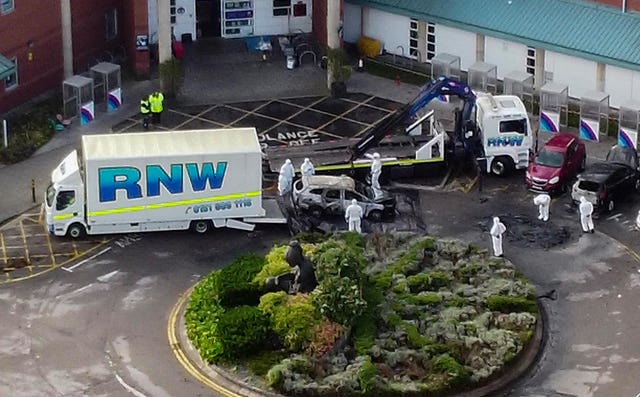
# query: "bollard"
{"type": "Point", "coordinates": [397, 79]}
{"type": "Point", "coordinates": [33, 190]}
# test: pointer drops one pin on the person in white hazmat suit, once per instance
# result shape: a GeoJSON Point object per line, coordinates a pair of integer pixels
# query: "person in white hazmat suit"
{"type": "Point", "coordinates": [497, 230]}
{"type": "Point", "coordinates": [285, 178]}
{"type": "Point", "coordinates": [543, 201]}
{"type": "Point", "coordinates": [376, 170]}
{"type": "Point", "coordinates": [586, 210]}
{"type": "Point", "coordinates": [353, 216]}
{"type": "Point", "coordinates": [307, 169]}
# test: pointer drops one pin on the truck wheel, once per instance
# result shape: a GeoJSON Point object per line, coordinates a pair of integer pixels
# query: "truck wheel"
{"type": "Point", "coordinates": [502, 166]}
{"type": "Point", "coordinates": [201, 227]}
{"type": "Point", "coordinates": [76, 231]}
{"type": "Point", "coordinates": [375, 216]}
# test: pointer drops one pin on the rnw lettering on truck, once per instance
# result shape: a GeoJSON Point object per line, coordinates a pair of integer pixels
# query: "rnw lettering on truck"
{"type": "Point", "coordinates": [505, 141]}
{"type": "Point", "coordinates": [110, 179]}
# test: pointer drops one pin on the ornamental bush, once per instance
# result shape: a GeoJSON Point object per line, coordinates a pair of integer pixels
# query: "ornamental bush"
{"type": "Point", "coordinates": [241, 331]}
{"type": "Point", "coordinates": [340, 299]}
{"type": "Point", "coordinates": [292, 317]}
{"type": "Point", "coordinates": [511, 304]}
{"type": "Point", "coordinates": [275, 264]}
{"type": "Point", "coordinates": [235, 286]}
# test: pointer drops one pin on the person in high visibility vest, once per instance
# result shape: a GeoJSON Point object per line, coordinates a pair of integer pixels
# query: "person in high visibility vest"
{"type": "Point", "coordinates": [145, 110]}
{"type": "Point", "coordinates": [156, 102]}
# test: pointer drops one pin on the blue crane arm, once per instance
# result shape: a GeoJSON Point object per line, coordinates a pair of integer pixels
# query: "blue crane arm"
{"type": "Point", "coordinates": [435, 88]}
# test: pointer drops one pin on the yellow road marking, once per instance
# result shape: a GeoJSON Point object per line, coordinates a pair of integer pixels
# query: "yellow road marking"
{"type": "Point", "coordinates": [181, 356]}
{"type": "Point", "coordinates": [24, 242]}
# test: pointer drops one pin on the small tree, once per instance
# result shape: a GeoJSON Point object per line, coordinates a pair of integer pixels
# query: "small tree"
{"type": "Point", "coordinates": [339, 70]}
{"type": "Point", "coordinates": [171, 74]}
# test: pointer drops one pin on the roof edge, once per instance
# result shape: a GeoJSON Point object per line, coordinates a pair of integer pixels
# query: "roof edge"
{"type": "Point", "coordinates": [497, 34]}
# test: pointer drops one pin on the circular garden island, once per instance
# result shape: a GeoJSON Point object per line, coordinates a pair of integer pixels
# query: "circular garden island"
{"type": "Point", "coordinates": [392, 314]}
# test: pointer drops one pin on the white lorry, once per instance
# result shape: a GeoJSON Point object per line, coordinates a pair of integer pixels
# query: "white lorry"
{"type": "Point", "coordinates": [174, 180]}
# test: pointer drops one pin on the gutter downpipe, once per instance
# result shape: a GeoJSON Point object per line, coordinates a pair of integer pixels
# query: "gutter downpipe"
{"type": "Point", "coordinates": [624, 5]}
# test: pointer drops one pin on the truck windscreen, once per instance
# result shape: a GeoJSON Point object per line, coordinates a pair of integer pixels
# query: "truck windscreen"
{"type": "Point", "coordinates": [51, 194]}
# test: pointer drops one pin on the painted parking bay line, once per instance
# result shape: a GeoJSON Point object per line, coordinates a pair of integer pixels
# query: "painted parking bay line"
{"type": "Point", "coordinates": [70, 269]}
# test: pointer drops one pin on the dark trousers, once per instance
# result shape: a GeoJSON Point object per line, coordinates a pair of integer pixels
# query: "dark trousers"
{"type": "Point", "coordinates": [155, 117]}
{"type": "Point", "coordinates": [146, 119]}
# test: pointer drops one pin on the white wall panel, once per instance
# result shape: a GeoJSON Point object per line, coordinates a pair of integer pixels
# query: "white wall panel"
{"type": "Point", "coordinates": [352, 22]}
{"type": "Point", "coordinates": [507, 55]}
{"type": "Point", "coordinates": [456, 42]}
{"type": "Point", "coordinates": [577, 73]}
{"type": "Point", "coordinates": [622, 85]}
{"type": "Point", "coordinates": [392, 30]}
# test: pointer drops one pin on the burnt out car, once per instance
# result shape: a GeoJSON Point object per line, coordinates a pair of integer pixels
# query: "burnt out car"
{"type": "Point", "coordinates": [607, 182]}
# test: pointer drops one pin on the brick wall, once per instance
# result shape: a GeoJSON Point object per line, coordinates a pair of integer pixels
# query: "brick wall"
{"type": "Point", "coordinates": [320, 21]}
{"type": "Point", "coordinates": [32, 28]}
{"type": "Point", "coordinates": [136, 22]}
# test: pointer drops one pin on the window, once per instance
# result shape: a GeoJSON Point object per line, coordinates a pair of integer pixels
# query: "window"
{"type": "Point", "coordinates": [7, 6]}
{"type": "Point", "coordinates": [348, 195]}
{"type": "Point", "coordinates": [111, 23]}
{"type": "Point", "coordinates": [281, 7]}
{"type": "Point", "coordinates": [431, 40]}
{"type": "Point", "coordinates": [332, 194]}
{"type": "Point", "coordinates": [12, 80]}
{"type": "Point", "coordinates": [531, 61]}
{"type": "Point", "coordinates": [413, 39]}
{"type": "Point", "coordinates": [172, 11]}
{"type": "Point", "coordinates": [66, 198]}
{"type": "Point", "coordinates": [514, 126]}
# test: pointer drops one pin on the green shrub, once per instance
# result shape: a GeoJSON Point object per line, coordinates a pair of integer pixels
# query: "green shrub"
{"type": "Point", "coordinates": [428, 281]}
{"type": "Point", "coordinates": [455, 301]}
{"type": "Point", "coordinates": [448, 365]}
{"type": "Point", "coordinates": [324, 337]}
{"type": "Point", "coordinates": [407, 263]}
{"type": "Point", "coordinates": [415, 339]}
{"type": "Point", "coordinates": [261, 363]}
{"type": "Point", "coordinates": [335, 258]}
{"type": "Point", "coordinates": [202, 314]}
{"type": "Point", "coordinates": [340, 299]}
{"type": "Point", "coordinates": [424, 299]}
{"type": "Point", "coordinates": [275, 376]}
{"type": "Point", "coordinates": [275, 263]}
{"type": "Point", "coordinates": [295, 322]}
{"type": "Point", "coordinates": [353, 239]}
{"type": "Point", "coordinates": [241, 331]}
{"type": "Point", "coordinates": [367, 376]}
{"type": "Point", "coordinates": [364, 333]}
{"type": "Point", "coordinates": [271, 302]}
{"type": "Point", "coordinates": [511, 304]}
{"type": "Point", "coordinates": [235, 283]}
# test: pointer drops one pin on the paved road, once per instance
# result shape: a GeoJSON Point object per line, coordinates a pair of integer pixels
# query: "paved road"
{"type": "Point", "coordinates": [101, 329]}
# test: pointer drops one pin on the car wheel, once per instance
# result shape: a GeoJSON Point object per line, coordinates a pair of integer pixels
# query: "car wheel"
{"type": "Point", "coordinates": [201, 226]}
{"type": "Point", "coordinates": [316, 211]}
{"type": "Point", "coordinates": [502, 166]}
{"type": "Point", "coordinates": [564, 188]}
{"type": "Point", "coordinates": [76, 231]}
{"type": "Point", "coordinates": [375, 216]}
{"type": "Point", "coordinates": [583, 163]}
{"type": "Point", "coordinates": [610, 205]}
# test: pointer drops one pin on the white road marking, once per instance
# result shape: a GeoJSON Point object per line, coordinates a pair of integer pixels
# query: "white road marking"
{"type": "Point", "coordinates": [129, 388]}
{"type": "Point", "coordinates": [616, 216]}
{"type": "Point", "coordinates": [107, 276]}
{"type": "Point", "coordinates": [70, 269]}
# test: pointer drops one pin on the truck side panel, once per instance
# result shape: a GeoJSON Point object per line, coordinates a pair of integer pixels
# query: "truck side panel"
{"type": "Point", "coordinates": [173, 189]}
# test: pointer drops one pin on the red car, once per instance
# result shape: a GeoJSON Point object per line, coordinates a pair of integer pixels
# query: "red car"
{"type": "Point", "coordinates": [555, 166]}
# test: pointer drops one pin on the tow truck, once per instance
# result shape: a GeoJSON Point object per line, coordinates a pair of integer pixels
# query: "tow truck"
{"type": "Point", "coordinates": [493, 131]}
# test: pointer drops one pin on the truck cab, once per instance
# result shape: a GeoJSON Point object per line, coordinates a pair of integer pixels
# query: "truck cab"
{"type": "Point", "coordinates": [506, 132]}
{"type": "Point", "coordinates": [64, 199]}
